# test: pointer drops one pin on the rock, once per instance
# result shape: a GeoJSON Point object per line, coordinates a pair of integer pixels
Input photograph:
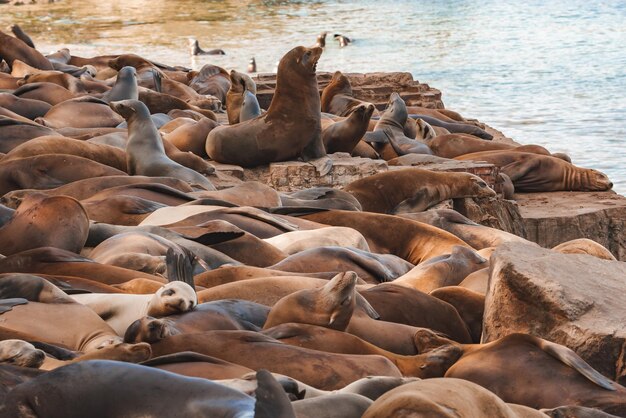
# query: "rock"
{"type": "Point", "coordinates": [493, 212]}
{"type": "Point", "coordinates": [571, 299]}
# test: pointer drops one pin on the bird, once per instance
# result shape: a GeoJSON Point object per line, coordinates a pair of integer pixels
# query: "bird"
{"type": "Point", "coordinates": [252, 65]}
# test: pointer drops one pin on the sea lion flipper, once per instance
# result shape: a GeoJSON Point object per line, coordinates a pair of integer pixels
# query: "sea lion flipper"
{"type": "Point", "coordinates": [156, 77]}
{"type": "Point", "coordinates": [416, 203]}
{"type": "Point", "coordinates": [322, 165]}
{"type": "Point", "coordinates": [365, 305]}
{"type": "Point", "coordinates": [379, 137]}
{"type": "Point", "coordinates": [271, 399]}
{"type": "Point", "coordinates": [569, 357]}
{"type": "Point", "coordinates": [180, 266]}
{"type": "Point", "coordinates": [7, 304]}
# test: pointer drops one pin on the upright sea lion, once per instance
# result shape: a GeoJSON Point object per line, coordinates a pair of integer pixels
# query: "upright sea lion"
{"type": "Point", "coordinates": [389, 134]}
{"type": "Point", "coordinates": [194, 49]}
{"type": "Point", "coordinates": [343, 136]}
{"type": "Point", "coordinates": [13, 48]}
{"type": "Point", "coordinates": [414, 189]}
{"type": "Point", "coordinates": [290, 128]}
{"type": "Point", "coordinates": [321, 40]}
{"type": "Point", "coordinates": [337, 97]}
{"type": "Point", "coordinates": [125, 86]}
{"type": "Point", "coordinates": [250, 108]}
{"type": "Point", "coordinates": [57, 221]}
{"type": "Point", "coordinates": [542, 173]}
{"type": "Point", "coordinates": [239, 84]}
{"type": "Point", "coordinates": [343, 40]}
{"type": "Point", "coordinates": [145, 154]}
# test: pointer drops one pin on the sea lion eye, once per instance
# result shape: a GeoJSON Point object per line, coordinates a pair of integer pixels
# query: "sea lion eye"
{"type": "Point", "coordinates": [168, 292]}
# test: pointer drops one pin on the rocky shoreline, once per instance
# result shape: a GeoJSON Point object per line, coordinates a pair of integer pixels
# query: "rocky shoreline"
{"type": "Point", "coordinates": [129, 233]}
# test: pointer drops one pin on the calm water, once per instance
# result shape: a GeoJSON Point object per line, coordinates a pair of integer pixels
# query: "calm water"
{"type": "Point", "coordinates": [551, 73]}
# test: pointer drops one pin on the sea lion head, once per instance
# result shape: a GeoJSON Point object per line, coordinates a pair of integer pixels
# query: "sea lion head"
{"type": "Point", "coordinates": [330, 306]}
{"type": "Point", "coordinates": [131, 353]}
{"type": "Point", "coordinates": [363, 112]}
{"type": "Point", "coordinates": [127, 73]}
{"type": "Point", "coordinates": [174, 297]}
{"type": "Point", "coordinates": [562, 156]}
{"type": "Point", "coordinates": [479, 187]}
{"type": "Point", "coordinates": [149, 330]}
{"type": "Point", "coordinates": [597, 181]}
{"type": "Point", "coordinates": [396, 110]}
{"type": "Point", "coordinates": [21, 353]}
{"type": "Point", "coordinates": [301, 61]}
{"type": "Point", "coordinates": [129, 108]}
{"type": "Point", "coordinates": [425, 131]}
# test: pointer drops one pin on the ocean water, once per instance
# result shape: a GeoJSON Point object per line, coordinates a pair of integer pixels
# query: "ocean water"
{"type": "Point", "coordinates": [549, 73]}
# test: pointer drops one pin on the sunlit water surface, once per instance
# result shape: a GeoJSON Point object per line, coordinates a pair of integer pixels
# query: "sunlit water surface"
{"type": "Point", "coordinates": [551, 73]}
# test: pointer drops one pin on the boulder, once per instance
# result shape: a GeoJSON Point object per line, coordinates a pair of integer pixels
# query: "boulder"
{"type": "Point", "coordinates": [572, 299]}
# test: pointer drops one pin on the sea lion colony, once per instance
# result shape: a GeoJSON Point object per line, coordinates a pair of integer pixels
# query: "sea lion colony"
{"type": "Point", "coordinates": [118, 249]}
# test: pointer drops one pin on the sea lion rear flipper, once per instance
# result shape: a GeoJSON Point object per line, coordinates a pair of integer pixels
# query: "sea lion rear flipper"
{"type": "Point", "coordinates": [156, 77]}
{"type": "Point", "coordinates": [365, 305]}
{"type": "Point", "coordinates": [322, 165]}
{"type": "Point", "coordinates": [180, 266]}
{"type": "Point", "coordinates": [569, 357]}
{"type": "Point", "coordinates": [379, 137]}
{"type": "Point", "coordinates": [271, 399]}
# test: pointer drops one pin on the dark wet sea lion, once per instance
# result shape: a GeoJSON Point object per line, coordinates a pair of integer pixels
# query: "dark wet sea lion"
{"type": "Point", "coordinates": [145, 154]}
{"type": "Point", "coordinates": [12, 48]}
{"type": "Point", "coordinates": [386, 234]}
{"type": "Point", "coordinates": [57, 221]}
{"type": "Point", "coordinates": [290, 128]}
{"type": "Point", "coordinates": [21, 35]}
{"type": "Point", "coordinates": [542, 173]}
{"type": "Point", "coordinates": [194, 49]}
{"type": "Point", "coordinates": [343, 136]}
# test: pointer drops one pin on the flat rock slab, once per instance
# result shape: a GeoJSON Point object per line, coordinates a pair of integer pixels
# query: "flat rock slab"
{"type": "Point", "coordinates": [571, 299]}
{"type": "Point", "coordinates": [553, 218]}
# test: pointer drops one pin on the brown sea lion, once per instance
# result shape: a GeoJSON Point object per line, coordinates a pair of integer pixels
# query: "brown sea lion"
{"type": "Point", "coordinates": [445, 398]}
{"type": "Point", "coordinates": [445, 270]}
{"type": "Point", "coordinates": [211, 80]}
{"type": "Point", "coordinates": [296, 241]}
{"type": "Point", "coordinates": [83, 112]}
{"type": "Point", "coordinates": [542, 173]}
{"type": "Point", "coordinates": [250, 349]}
{"type": "Point", "coordinates": [249, 193]}
{"type": "Point", "coordinates": [469, 304]}
{"type": "Point", "coordinates": [343, 136]}
{"type": "Point", "coordinates": [239, 83]}
{"type": "Point", "coordinates": [103, 154]}
{"type": "Point", "coordinates": [49, 170]}
{"type": "Point", "coordinates": [46, 92]}
{"type": "Point", "coordinates": [28, 108]}
{"type": "Point", "coordinates": [21, 353]}
{"type": "Point", "coordinates": [165, 103]}
{"type": "Point", "coordinates": [477, 281]}
{"type": "Point", "coordinates": [189, 95]}
{"type": "Point", "coordinates": [192, 137]}
{"type": "Point", "coordinates": [414, 189]}
{"type": "Point", "coordinates": [74, 85]}
{"type": "Point", "coordinates": [12, 48]}
{"type": "Point", "coordinates": [584, 246]}
{"type": "Point", "coordinates": [192, 364]}
{"type": "Point", "coordinates": [119, 210]}
{"type": "Point", "coordinates": [57, 221]}
{"type": "Point", "coordinates": [453, 145]}
{"type": "Point", "coordinates": [145, 154]}
{"type": "Point", "coordinates": [337, 97]}
{"type": "Point", "coordinates": [386, 234]}
{"type": "Point", "coordinates": [15, 132]}
{"type": "Point", "coordinates": [290, 128]}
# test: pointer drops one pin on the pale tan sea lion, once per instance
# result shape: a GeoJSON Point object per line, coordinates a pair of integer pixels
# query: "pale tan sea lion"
{"type": "Point", "coordinates": [584, 246]}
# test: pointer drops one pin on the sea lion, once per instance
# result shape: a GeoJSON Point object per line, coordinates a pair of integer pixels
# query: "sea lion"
{"type": "Point", "coordinates": [386, 234]}
{"type": "Point", "coordinates": [446, 270]}
{"type": "Point", "coordinates": [249, 193]}
{"type": "Point", "coordinates": [28, 108]}
{"type": "Point", "coordinates": [42, 221]}
{"type": "Point", "coordinates": [198, 365]}
{"type": "Point", "coordinates": [321, 40]}
{"type": "Point", "coordinates": [211, 80]}
{"type": "Point", "coordinates": [584, 246]}
{"type": "Point", "coordinates": [48, 171]}
{"type": "Point", "coordinates": [453, 145]}
{"type": "Point", "coordinates": [83, 112]}
{"type": "Point", "coordinates": [21, 354]}
{"type": "Point", "coordinates": [194, 49]}
{"type": "Point", "coordinates": [297, 241]}
{"type": "Point", "coordinates": [469, 304]}
{"type": "Point", "coordinates": [125, 86]}
{"type": "Point", "coordinates": [389, 134]}
{"type": "Point", "coordinates": [250, 108]}
{"type": "Point", "coordinates": [145, 154]}
{"type": "Point", "coordinates": [291, 127]}
{"type": "Point", "coordinates": [239, 84]}
{"type": "Point", "coordinates": [345, 135]}
{"type": "Point", "coordinates": [15, 132]}
{"type": "Point", "coordinates": [445, 398]}
{"type": "Point", "coordinates": [116, 388]}
{"type": "Point", "coordinates": [46, 92]}
{"type": "Point", "coordinates": [414, 189]}
{"type": "Point", "coordinates": [251, 66]}
{"type": "Point", "coordinates": [21, 35]}
{"type": "Point", "coordinates": [13, 48]}
{"type": "Point", "coordinates": [504, 186]}
{"type": "Point", "coordinates": [189, 95]}
{"type": "Point", "coordinates": [542, 173]}
{"type": "Point", "coordinates": [337, 97]}
{"type": "Point", "coordinates": [343, 40]}
{"type": "Point", "coordinates": [322, 197]}
{"type": "Point", "coordinates": [74, 85]}
{"type": "Point", "coordinates": [454, 127]}
{"type": "Point", "coordinates": [121, 310]}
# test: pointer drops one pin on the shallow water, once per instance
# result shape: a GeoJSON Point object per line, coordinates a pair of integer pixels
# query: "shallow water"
{"type": "Point", "coordinates": [551, 73]}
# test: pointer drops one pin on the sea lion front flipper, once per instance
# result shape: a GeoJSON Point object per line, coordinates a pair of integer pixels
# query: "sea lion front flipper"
{"type": "Point", "coordinates": [7, 304]}
{"type": "Point", "coordinates": [271, 399]}
{"type": "Point", "coordinates": [379, 137]}
{"type": "Point", "coordinates": [179, 266]}
{"type": "Point", "coordinates": [322, 165]}
{"type": "Point", "coordinates": [156, 77]}
{"type": "Point", "coordinates": [416, 203]}
{"type": "Point", "coordinates": [365, 305]}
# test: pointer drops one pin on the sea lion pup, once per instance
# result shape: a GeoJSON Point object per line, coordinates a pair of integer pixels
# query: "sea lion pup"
{"type": "Point", "coordinates": [290, 128]}
{"type": "Point", "coordinates": [343, 136]}
{"type": "Point", "coordinates": [45, 221]}
{"type": "Point", "coordinates": [145, 154]}
{"type": "Point", "coordinates": [389, 137]}
{"type": "Point", "coordinates": [446, 270]}
{"type": "Point", "coordinates": [117, 389]}
{"type": "Point", "coordinates": [542, 173]}
{"type": "Point", "coordinates": [296, 241]}
{"type": "Point", "coordinates": [194, 49]}
{"type": "Point", "coordinates": [414, 189]}
{"type": "Point", "coordinates": [239, 84]}
{"type": "Point", "coordinates": [12, 49]}
{"type": "Point", "coordinates": [584, 246]}
{"type": "Point", "coordinates": [445, 398]}
{"type": "Point", "coordinates": [337, 97]}
{"type": "Point", "coordinates": [125, 87]}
